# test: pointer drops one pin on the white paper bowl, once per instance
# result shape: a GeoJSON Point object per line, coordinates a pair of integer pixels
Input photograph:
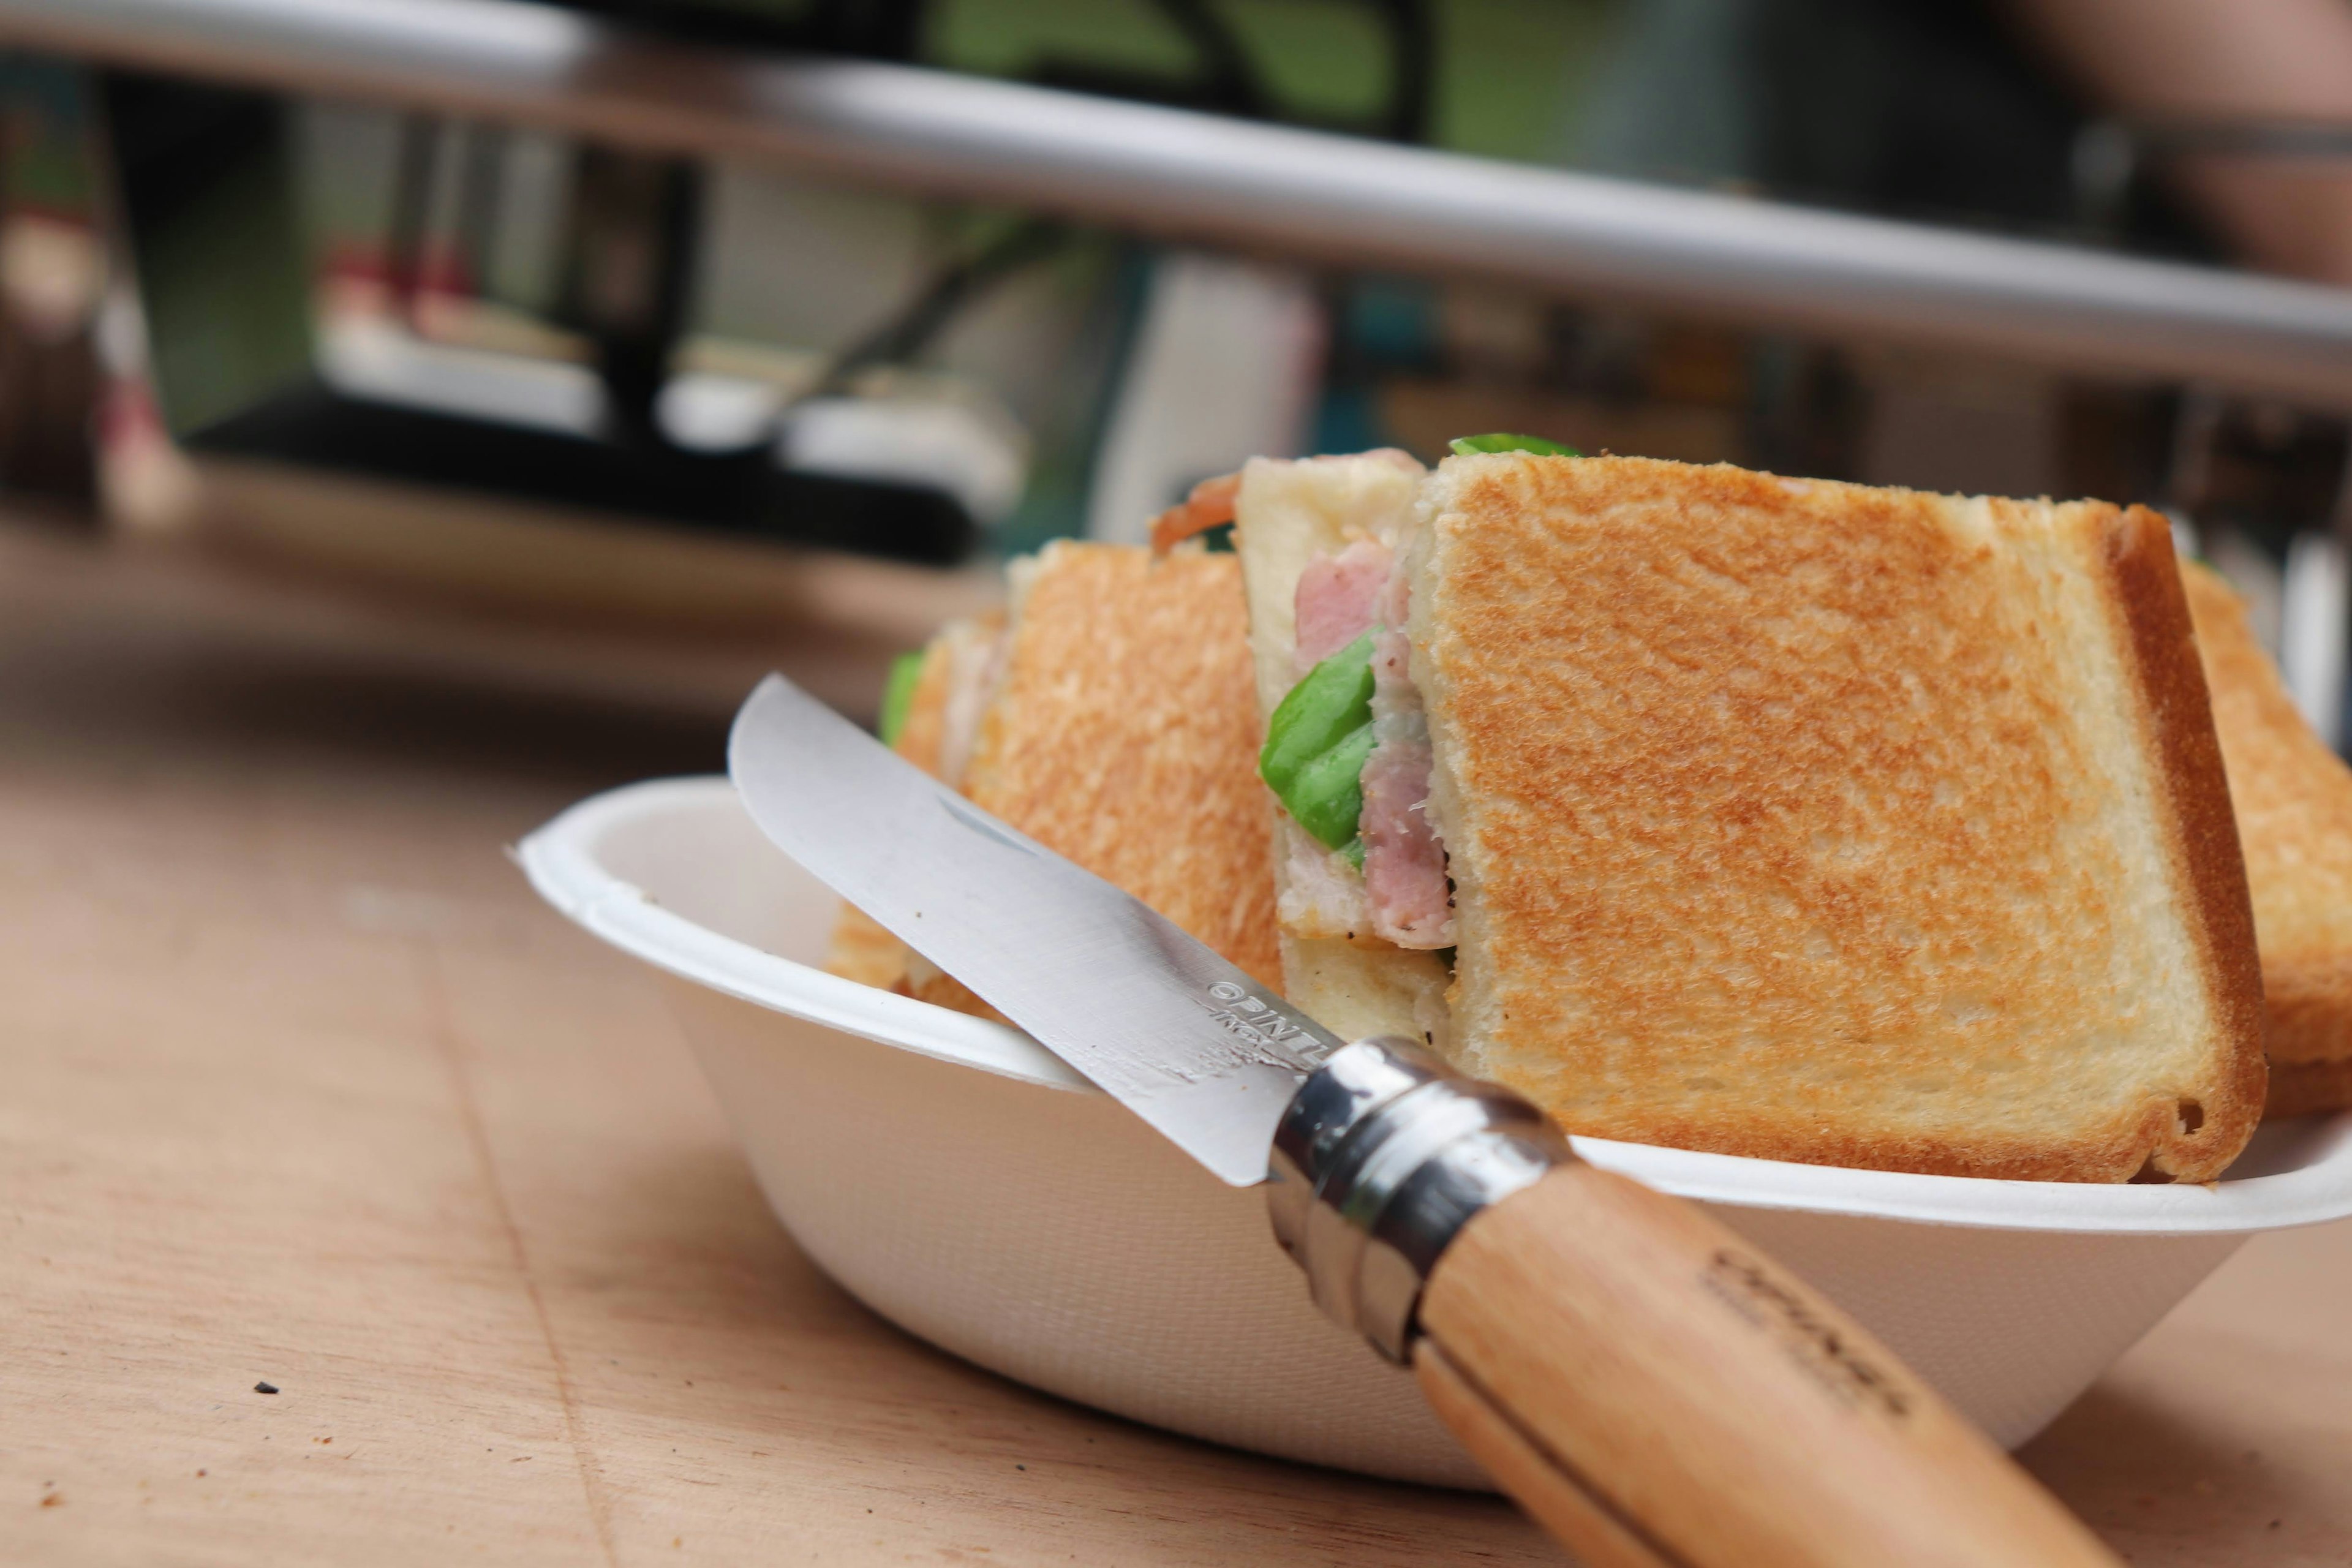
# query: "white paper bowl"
{"type": "Point", "coordinates": [960, 1181]}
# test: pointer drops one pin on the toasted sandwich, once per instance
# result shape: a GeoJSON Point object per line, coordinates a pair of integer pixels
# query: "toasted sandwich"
{"type": "Point", "coordinates": [1781, 818]}
{"type": "Point", "coordinates": [1111, 718]}
{"type": "Point", "coordinates": [2293, 803]}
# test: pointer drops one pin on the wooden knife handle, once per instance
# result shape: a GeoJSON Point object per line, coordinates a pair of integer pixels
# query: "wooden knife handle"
{"type": "Point", "coordinates": [1659, 1394]}
{"type": "Point", "coordinates": [1654, 1389]}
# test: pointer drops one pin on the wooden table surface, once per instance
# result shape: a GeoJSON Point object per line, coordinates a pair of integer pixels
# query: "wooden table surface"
{"type": "Point", "coordinates": [304, 1088]}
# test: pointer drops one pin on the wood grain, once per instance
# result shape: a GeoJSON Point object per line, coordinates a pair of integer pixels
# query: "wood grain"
{"type": "Point", "coordinates": [1568, 1506]}
{"type": "Point", "coordinates": [1657, 1390]}
{"type": "Point", "coordinates": [302, 1085]}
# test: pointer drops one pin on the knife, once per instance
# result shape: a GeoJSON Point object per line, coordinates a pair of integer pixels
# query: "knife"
{"type": "Point", "coordinates": [1657, 1391]}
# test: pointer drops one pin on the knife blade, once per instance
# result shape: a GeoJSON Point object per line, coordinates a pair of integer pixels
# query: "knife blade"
{"type": "Point", "coordinates": [1173, 1031]}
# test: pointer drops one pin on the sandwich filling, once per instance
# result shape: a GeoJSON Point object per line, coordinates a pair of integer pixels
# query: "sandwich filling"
{"type": "Point", "coordinates": [1350, 613]}
{"type": "Point", "coordinates": [1348, 749]}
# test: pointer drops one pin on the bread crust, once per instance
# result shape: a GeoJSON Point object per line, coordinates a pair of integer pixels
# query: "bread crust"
{"type": "Point", "coordinates": [922, 736]}
{"type": "Point", "coordinates": [2308, 1001]}
{"type": "Point", "coordinates": [2292, 800]}
{"type": "Point", "coordinates": [1121, 731]}
{"type": "Point", "coordinates": [1813, 822]}
{"type": "Point", "coordinates": [1124, 734]}
{"type": "Point", "coordinates": [2203, 828]}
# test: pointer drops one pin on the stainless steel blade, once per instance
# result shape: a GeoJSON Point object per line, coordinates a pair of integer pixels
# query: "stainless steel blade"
{"type": "Point", "coordinates": [1180, 1037]}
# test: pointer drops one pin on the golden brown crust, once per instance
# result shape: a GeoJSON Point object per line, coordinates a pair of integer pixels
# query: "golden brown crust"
{"type": "Point", "coordinates": [922, 736]}
{"type": "Point", "coordinates": [2309, 1003]}
{"type": "Point", "coordinates": [2292, 800]}
{"type": "Point", "coordinates": [2203, 829]}
{"type": "Point", "coordinates": [1122, 732]}
{"type": "Point", "coordinates": [1124, 735]}
{"type": "Point", "coordinates": [1813, 822]}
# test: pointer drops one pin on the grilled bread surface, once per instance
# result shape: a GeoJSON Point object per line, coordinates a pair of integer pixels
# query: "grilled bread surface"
{"type": "Point", "coordinates": [1116, 721]}
{"type": "Point", "coordinates": [1855, 827]}
{"type": "Point", "coordinates": [2293, 803]}
{"type": "Point", "coordinates": [1124, 734]}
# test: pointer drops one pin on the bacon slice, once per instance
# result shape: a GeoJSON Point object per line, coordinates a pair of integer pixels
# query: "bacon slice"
{"type": "Point", "coordinates": [1210, 504]}
{"type": "Point", "coordinates": [1395, 698]}
{"type": "Point", "coordinates": [1403, 887]}
{"type": "Point", "coordinates": [1405, 864]}
{"type": "Point", "coordinates": [1339, 600]}
{"type": "Point", "coordinates": [1410, 900]}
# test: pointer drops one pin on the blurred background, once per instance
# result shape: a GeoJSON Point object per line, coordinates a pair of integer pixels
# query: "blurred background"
{"type": "Point", "coordinates": [626, 349]}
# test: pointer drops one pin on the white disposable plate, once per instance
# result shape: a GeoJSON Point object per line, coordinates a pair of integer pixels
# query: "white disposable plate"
{"type": "Point", "coordinates": [960, 1180]}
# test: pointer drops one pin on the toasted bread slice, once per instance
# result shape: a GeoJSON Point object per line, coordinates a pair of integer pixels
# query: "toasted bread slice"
{"type": "Point", "coordinates": [1116, 723]}
{"type": "Point", "coordinates": [1123, 733]}
{"type": "Point", "coordinates": [2293, 803]}
{"type": "Point", "coordinates": [1810, 822]}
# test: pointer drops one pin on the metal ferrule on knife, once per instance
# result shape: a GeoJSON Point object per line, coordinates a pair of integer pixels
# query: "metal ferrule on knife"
{"type": "Point", "coordinates": [1384, 1156]}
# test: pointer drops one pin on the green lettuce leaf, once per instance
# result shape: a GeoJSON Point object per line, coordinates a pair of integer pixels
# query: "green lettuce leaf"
{"type": "Point", "coordinates": [1317, 741]}
{"type": "Point", "coordinates": [899, 695]}
{"type": "Point", "coordinates": [1471, 445]}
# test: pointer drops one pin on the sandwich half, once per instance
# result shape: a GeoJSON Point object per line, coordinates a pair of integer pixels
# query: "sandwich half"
{"type": "Point", "coordinates": [2293, 803]}
{"type": "Point", "coordinates": [1112, 718]}
{"type": "Point", "coordinates": [1788, 819]}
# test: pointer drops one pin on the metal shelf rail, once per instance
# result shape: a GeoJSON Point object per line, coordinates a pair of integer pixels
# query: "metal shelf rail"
{"type": "Point", "coordinates": [1195, 178]}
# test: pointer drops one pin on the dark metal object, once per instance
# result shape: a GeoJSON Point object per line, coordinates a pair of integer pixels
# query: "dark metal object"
{"type": "Point", "coordinates": [203, 195]}
{"type": "Point", "coordinates": [203, 192]}
{"type": "Point", "coordinates": [1412, 68]}
{"type": "Point", "coordinates": [482, 184]}
{"type": "Point", "coordinates": [744, 493]}
{"type": "Point", "coordinates": [634, 224]}
{"type": "Point", "coordinates": [48, 386]}
{"type": "Point", "coordinates": [913, 329]}
{"type": "Point", "coordinates": [412, 202]}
